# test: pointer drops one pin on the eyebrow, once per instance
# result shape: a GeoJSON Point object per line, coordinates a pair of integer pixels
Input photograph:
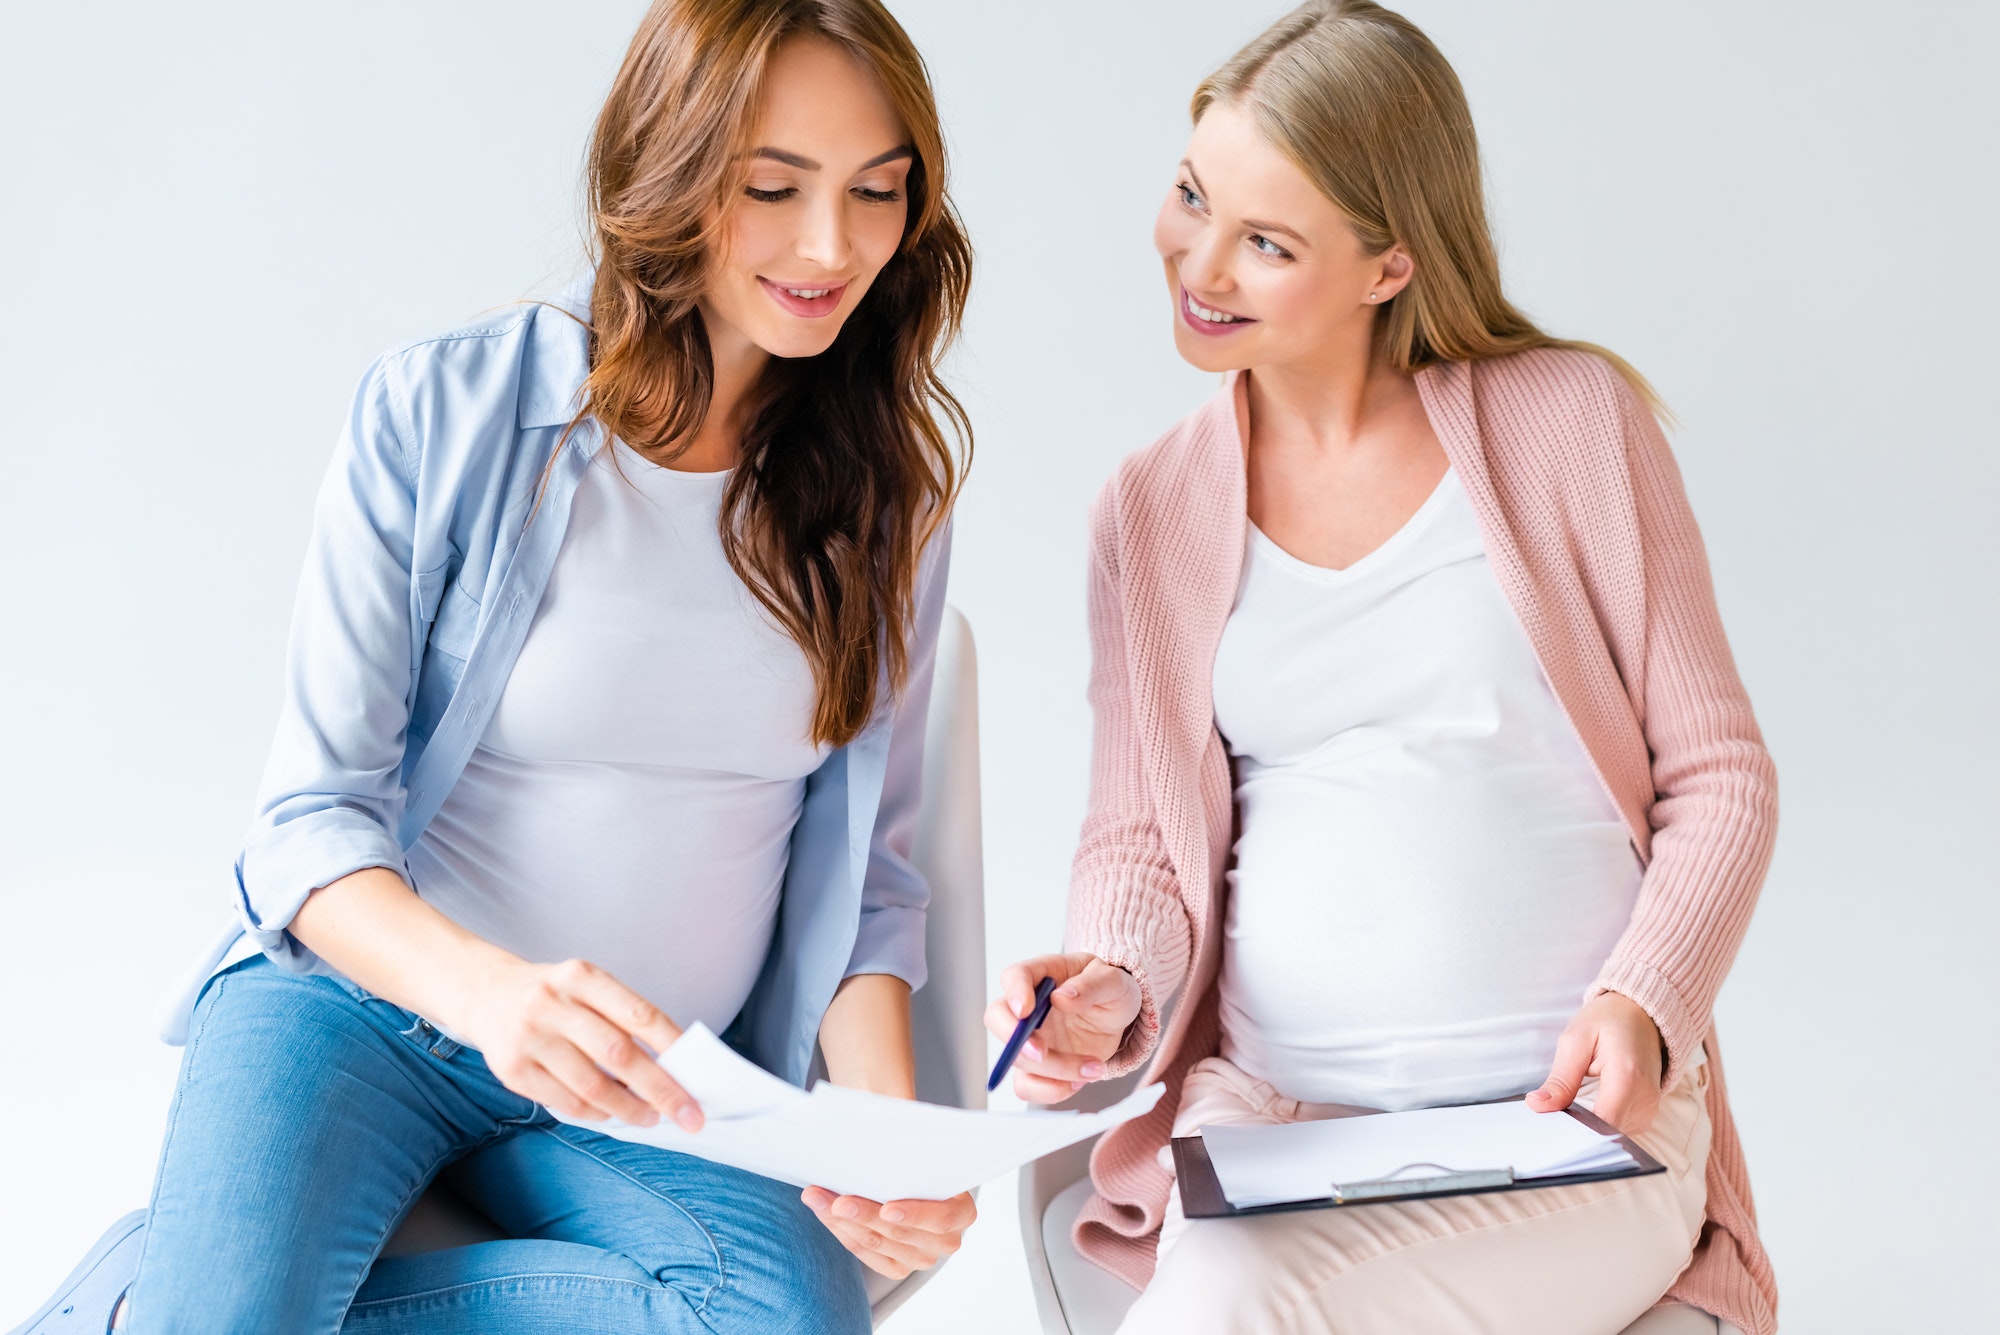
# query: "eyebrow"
{"type": "Point", "coordinates": [806, 164]}
{"type": "Point", "coordinates": [1257, 223]}
{"type": "Point", "coordinates": [1262, 226]}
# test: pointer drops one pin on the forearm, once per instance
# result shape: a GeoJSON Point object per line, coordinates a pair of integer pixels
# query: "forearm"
{"type": "Point", "coordinates": [373, 928]}
{"type": "Point", "coordinates": [866, 1036]}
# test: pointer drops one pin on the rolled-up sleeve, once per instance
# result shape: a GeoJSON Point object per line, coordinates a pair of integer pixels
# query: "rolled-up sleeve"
{"type": "Point", "coordinates": [332, 791]}
{"type": "Point", "coordinates": [894, 894]}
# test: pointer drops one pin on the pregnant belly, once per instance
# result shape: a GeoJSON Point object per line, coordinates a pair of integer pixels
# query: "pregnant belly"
{"type": "Point", "coordinates": [670, 879]}
{"type": "Point", "coordinates": [1423, 934]}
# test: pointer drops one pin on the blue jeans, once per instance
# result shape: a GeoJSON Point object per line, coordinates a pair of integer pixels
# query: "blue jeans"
{"type": "Point", "coordinates": [310, 1115]}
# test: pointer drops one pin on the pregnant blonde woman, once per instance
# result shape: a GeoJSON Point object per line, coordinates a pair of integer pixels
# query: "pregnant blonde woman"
{"type": "Point", "coordinates": [1422, 772]}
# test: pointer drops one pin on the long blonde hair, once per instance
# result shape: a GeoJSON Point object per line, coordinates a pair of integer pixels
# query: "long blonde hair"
{"type": "Point", "coordinates": [848, 463]}
{"type": "Point", "coordinates": [1363, 103]}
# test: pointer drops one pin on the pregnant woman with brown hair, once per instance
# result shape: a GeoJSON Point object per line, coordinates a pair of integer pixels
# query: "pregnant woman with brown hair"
{"type": "Point", "coordinates": [1422, 772]}
{"type": "Point", "coordinates": [603, 715]}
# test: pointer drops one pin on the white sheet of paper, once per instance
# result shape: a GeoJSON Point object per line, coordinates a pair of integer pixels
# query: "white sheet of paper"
{"type": "Point", "coordinates": [850, 1142]}
{"type": "Point", "coordinates": [1264, 1165]}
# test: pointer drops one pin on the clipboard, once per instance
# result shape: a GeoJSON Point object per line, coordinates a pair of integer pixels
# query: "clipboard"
{"type": "Point", "coordinates": [1202, 1198]}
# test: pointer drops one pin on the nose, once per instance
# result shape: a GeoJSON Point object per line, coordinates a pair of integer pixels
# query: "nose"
{"type": "Point", "coordinates": [823, 232]}
{"type": "Point", "coordinates": [1205, 264]}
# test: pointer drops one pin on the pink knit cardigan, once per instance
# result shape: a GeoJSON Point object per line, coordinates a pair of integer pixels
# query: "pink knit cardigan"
{"type": "Point", "coordinates": [1588, 529]}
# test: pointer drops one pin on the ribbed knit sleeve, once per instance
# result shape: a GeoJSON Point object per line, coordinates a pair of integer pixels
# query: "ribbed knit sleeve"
{"type": "Point", "coordinates": [1125, 905]}
{"type": "Point", "coordinates": [1714, 815]}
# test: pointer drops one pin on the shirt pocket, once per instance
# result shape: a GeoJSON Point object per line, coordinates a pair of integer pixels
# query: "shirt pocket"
{"type": "Point", "coordinates": [427, 594]}
{"type": "Point", "coordinates": [457, 621]}
{"type": "Point", "coordinates": [447, 645]}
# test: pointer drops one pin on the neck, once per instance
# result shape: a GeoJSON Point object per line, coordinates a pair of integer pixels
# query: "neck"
{"type": "Point", "coordinates": [1328, 398]}
{"type": "Point", "coordinates": [738, 362]}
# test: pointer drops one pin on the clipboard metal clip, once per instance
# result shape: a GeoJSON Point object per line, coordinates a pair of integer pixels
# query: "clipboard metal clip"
{"type": "Point", "coordinates": [1444, 1179]}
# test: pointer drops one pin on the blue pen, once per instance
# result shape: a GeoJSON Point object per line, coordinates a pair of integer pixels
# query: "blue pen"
{"type": "Point", "coordinates": [1028, 1024]}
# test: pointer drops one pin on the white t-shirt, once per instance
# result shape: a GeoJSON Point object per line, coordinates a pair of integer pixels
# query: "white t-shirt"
{"type": "Point", "coordinates": [632, 800]}
{"type": "Point", "coordinates": [1428, 871]}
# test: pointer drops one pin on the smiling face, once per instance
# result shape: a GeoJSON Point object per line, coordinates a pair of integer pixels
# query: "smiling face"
{"type": "Point", "coordinates": [1263, 269]}
{"type": "Point", "coordinates": [821, 211]}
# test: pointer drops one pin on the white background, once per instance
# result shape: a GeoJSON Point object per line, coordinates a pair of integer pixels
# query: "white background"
{"type": "Point", "coordinates": [1785, 213]}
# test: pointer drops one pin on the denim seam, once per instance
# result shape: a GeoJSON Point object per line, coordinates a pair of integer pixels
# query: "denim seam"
{"type": "Point", "coordinates": [174, 1120]}
{"type": "Point", "coordinates": [375, 1306]}
{"type": "Point", "coordinates": [390, 1224]}
{"type": "Point", "coordinates": [382, 1240]}
{"type": "Point", "coordinates": [721, 1263]}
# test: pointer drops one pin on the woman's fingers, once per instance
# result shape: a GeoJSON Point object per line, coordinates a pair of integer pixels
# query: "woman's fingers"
{"type": "Point", "coordinates": [1627, 1062]}
{"type": "Point", "coordinates": [930, 1229]}
{"type": "Point", "coordinates": [1572, 1064]}
{"type": "Point", "coordinates": [1040, 1089]}
{"type": "Point", "coordinates": [1039, 1057]}
{"type": "Point", "coordinates": [952, 1216]}
{"type": "Point", "coordinates": [1019, 981]}
{"type": "Point", "coordinates": [1617, 1102]}
{"type": "Point", "coordinates": [1089, 1011]}
{"type": "Point", "coordinates": [587, 1081]}
{"type": "Point", "coordinates": [619, 1004]}
{"type": "Point", "coordinates": [1097, 986]}
{"type": "Point", "coordinates": [894, 1250]}
{"type": "Point", "coordinates": [1000, 1019]}
{"type": "Point", "coordinates": [1613, 1039]}
{"type": "Point", "coordinates": [633, 1015]}
{"type": "Point", "coordinates": [534, 1082]}
{"type": "Point", "coordinates": [615, 1052]}
{"type": "Point", "coordinates": [921, 1224]}
{"type": "Point", "coordinates": [1628, 1094]}
{"type": "Point", "coordinates": [889, 1257]}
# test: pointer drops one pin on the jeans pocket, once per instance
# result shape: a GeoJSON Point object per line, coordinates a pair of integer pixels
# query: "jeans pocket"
{"type": "Point", "coordinates": [409, 1026]}
{"type": "Point", "coordinates": [404, 1022]}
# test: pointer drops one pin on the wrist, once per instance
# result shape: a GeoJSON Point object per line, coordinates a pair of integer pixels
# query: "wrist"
{"type": "Point", "coordinates": [455, 994]}
{"type": "Point", "coordinates": [885, 1081]}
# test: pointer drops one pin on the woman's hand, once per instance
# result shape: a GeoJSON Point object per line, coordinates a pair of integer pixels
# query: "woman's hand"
{"type": "Point", "coordinates": [569, 1036]}
{"type": "Point", "coordinates": [1615, 1040]}
{"type": "Point", "coordinates": [575, 1039]}
{"type": "Point", "coordinates": [865, 1035]}
{"type": "Point", "coordinates": [896, 1238]}
{"type": "Point", "coordinates": [1093, 1005]}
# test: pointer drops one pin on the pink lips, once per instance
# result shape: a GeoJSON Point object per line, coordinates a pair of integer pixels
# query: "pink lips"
{"type": "Point", "coordinates": [810, 307]}
{"type": "Point", "coordinates": [1209, 327]}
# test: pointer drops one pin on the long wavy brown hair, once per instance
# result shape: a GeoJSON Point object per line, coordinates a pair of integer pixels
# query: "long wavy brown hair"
{"type": "Point", "coordinates": [851, 459]}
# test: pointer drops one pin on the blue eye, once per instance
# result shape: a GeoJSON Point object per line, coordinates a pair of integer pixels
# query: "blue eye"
{"type": "Point", "coordinates": [1266, 246]}
{"type": "Point", "coordinates": [1188, 197]}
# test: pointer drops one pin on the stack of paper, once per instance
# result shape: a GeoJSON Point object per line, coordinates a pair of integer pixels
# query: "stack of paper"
{"type": "Point", "coordinates": [1267, 1165]}
{"type": "Point", "coordinates": [849, 1142]}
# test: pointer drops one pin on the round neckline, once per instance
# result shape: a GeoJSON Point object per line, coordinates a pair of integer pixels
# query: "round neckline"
{"type": "Point", "coordinates": [622, 454]}
{"type": "Point", "coordinates": [1413, 528]}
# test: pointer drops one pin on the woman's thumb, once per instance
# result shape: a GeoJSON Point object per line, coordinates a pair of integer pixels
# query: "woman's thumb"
{"type": "Point", "coordinates": [1565, 1077]}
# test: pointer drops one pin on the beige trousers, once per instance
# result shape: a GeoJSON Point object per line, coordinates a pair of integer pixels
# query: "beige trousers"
{"type": "Point", "coordinates": [1582, 1260]}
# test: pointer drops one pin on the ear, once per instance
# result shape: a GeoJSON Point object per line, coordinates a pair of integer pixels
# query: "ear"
{"type": "Point", "coordinates": [1393, 271]}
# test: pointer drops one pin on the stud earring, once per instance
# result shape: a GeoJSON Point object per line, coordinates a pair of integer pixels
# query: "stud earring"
{"type": "Point", "coordinates": [1371, 296]}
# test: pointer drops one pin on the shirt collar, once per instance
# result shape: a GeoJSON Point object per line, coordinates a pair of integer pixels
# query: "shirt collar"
{"type": "Point", "coordinates": [558, 359]}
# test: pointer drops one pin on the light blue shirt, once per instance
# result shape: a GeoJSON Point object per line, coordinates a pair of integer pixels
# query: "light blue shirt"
{"type": "Point", "coordinates": [433, 539]}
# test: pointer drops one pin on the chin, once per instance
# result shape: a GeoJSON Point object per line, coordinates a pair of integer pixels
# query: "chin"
{"type": "Point", "coordinates": [1203, 354]}
{"type": "Point", "coordinates": [795, 343]}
